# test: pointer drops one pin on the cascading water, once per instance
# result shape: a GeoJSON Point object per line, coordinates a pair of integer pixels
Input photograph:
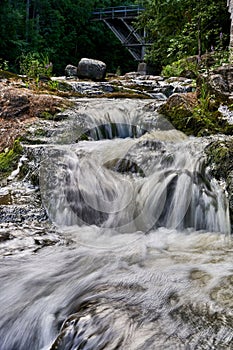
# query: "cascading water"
{"type": "Point", "coordinates": [145, 261]}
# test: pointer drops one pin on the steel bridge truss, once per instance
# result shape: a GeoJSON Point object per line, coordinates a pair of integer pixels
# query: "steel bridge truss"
{"type": "Point", "coordinates": [121, 21]}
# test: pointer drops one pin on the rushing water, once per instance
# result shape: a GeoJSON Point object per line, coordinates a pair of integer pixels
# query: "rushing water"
{"type": "Point", "coordinates": [144, 259]}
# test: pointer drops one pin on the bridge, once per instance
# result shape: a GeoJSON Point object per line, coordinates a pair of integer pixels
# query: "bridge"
{"type": "Point", "coordinates": [121, 21]}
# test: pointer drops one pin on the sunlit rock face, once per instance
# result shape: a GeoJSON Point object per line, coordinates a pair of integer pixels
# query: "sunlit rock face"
{"type": "Point", "coordinates": [91, 69]}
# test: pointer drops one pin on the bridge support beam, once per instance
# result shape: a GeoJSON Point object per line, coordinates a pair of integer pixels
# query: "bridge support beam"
{"type": "Point", "coordinates": [121, 21]}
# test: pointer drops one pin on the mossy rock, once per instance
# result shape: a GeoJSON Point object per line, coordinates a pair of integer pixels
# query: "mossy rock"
{"type": "Point", "coordinates": [9, 159]}
{"type": "Point", "coordinates": [220, 160]}
{"type": "Point", "coordinates": [220, 153]}
{"type": "Point", "coordinates": [179, 110]}
{"type": "Point", "coordinates": [197, 117]}
{"type": "Point", "coordinates": [8, 75]}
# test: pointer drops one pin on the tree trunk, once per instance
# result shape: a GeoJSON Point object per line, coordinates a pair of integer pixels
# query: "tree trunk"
{"type": "Point", "coordinates": [27, 19]}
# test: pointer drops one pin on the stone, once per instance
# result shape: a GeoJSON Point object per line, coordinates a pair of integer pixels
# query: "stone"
{"type": "Point", "coordinates": [91, 69]}
{"type": "Point", "coordinates": [179, 103]}
{"type": "Point", "coordinates": [220, 160]}
{"type": "Point", "coordinates": [218, 82]}
{"type": "Point", "coordinates": [179, 109]}
{"type": "Point", "coordinates": [71, 71]}
{"type": "Point", "coordinates": [142, 68]}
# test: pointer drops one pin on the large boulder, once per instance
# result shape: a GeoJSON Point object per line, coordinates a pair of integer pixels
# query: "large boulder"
{"type": "Point", "coordinates": [193, 116]}
{"type": "Point", "coordinates": [179, 110]}
{"type": "Point", "coordinates": [91, 69]}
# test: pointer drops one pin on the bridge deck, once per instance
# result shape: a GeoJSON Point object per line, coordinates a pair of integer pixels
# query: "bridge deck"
{"type": "Point", "coordinates": [117, 12]}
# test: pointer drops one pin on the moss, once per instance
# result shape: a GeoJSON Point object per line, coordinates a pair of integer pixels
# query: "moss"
{"type": "Point", "coordinates": [200, 118]}
{"type": "Point", "coordinates": [47, 115]}
{"type": "Point", "coordinates": [9, 159]}
{"type": "Point", "coordinates": [8, 75]}
{"type": "Point", "coordinates": [53, 115]}
{"type": "Point", "coordinates": [220, 160]}
{"type": "Point", "coordinates": [220, 154]}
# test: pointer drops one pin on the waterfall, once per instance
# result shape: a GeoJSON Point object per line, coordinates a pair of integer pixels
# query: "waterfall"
{"type": "Point", "coordinates": [142, 256]}
{"type": "Point", "coordinates": [155, 179]}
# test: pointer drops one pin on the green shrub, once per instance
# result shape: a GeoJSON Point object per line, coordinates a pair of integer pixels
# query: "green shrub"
{"type": "Point", "coordinates": [176, 68]}
{"type": "Point", "coordinates": [35, 65]}
{"type": "Point", "coordinates": [9, 159]}
{"type": "Point", "coordinates": [3, 64]}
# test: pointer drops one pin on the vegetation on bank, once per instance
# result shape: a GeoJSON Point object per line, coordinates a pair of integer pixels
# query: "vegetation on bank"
{"type": "Point", "coordinates": [196, 113]}
{"type": "Point", "coordinates": [179, 29]}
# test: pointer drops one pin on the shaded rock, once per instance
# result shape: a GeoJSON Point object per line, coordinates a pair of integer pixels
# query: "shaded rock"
{"type": "Point", "coordinates": [71, 71]}
{"type": "Point", "coordinates": [218, 82]}
{"type": "Point", "coordinates": [13, 105]}
{"type": "Point", "coordinates": [195, 117]}
{"type": "Point", "coordinates": [91, 69]}
{"type": "Point", "coordinates": [187, 73]}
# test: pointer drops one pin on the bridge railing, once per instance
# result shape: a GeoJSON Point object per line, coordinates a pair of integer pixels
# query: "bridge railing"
{"type": "Point", "coordinates": [117, 12]}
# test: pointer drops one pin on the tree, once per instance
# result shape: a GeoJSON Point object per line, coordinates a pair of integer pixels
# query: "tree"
{"type": "Point", "coordinates": [11, 28]}
{"type": "Point", "coordinates": [180, 28]}
{"type": "Point", "coordinates": [61, 30]}
{"type": "Point", "coordinates": [230, 9]}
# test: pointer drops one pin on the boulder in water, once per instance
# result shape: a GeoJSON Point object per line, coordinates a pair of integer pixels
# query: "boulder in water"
{"type": "Point", "coordinates": [91, 69]}
{"type": "Point", "coordinates": [179, 109]}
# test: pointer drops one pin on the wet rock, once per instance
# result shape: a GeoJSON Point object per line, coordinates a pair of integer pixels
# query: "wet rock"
{"type": "Point", "coordinates": [220, 160]}
{"type": "Point", "coordinates": [91, 69]}
{"type": "Point", "coordinates": [4, 236]}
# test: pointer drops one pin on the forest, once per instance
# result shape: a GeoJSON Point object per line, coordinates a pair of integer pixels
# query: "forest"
{"type": "Point", "coordinates": [62, 32]}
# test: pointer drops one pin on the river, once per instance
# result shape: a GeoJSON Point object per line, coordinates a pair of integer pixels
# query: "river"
{"type": "Point", "coordinates": [137, 251]}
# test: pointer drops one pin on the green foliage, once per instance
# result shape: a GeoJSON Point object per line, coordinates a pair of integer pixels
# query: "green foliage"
{"type": "Point", "coordinates": [9, 159]}
{"type": "Point", "coordinates": [181, 28]}
{"type": "Point", "coordinates": [35, 65]}
{"type": "Point", "coordinates": [176, 68]}
{"type": "Point", "coordinates": [3, 64]}
{"type": "Point", "coordinates": [62, 30]}
{"type": "Point", "coordinates": [220, 57]}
